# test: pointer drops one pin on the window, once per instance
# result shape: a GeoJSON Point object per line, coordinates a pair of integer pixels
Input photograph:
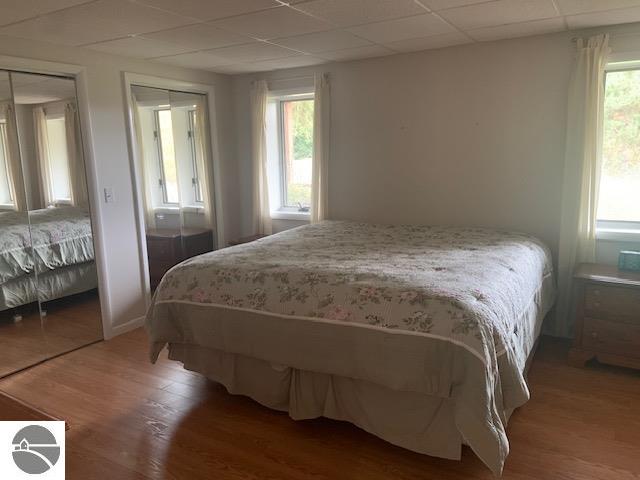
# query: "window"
{"type": "Point", "coordinates": [619, 199]}
{"type": "Point", "coordinates": [6, 197]}
{"type": "Point", "coordinates": [167, 157]}
{"type": "Point", "coordinates": [191, 133]}
{"type": "Point", "coordinates": [290, 141]}
{"type": "Point", "coordinates": [58, 159]}
{"type": "Point", "coordinates": [176, 144]}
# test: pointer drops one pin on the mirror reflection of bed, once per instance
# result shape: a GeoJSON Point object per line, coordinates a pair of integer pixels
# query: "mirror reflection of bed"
{"type": "Point", "coordinates": [49, 299]}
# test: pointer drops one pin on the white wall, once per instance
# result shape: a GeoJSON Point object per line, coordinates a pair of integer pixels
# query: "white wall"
{"type": "Point", "coordinates": [470, 135]}
{"type": "Point", "coordinates": [467, 135]}
{"type": "Point", "coordinates": [105, 91]}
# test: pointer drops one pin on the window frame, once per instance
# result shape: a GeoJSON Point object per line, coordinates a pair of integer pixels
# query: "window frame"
{"type": "Point", "coordinates": [617, 230]}
{"type": "Point", "coordinates": [284, 211]}
{"type": "Point", "coordinates": [195, 174]}
{"type": "Point", "coordinates": [58, 117]}
{"type": "Point", "coordinates": [3, 140]}
{"type": "Point", "coordinates": [158, 141]}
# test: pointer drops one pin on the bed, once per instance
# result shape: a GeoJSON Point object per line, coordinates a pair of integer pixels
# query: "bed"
{"type": "Point", "coordinates": [419, 335]}
{"type": "Point", "coordinates": [45, 255]}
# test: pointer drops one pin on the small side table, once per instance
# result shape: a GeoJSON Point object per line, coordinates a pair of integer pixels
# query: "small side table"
{"type": "Point", "coordinates": [607, 316]}
{"type": "Point", "coordinates": [248, 239]}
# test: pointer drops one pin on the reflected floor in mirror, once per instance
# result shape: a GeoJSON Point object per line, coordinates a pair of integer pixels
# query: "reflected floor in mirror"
{"type": "Point", "coordinates": [69, 323]}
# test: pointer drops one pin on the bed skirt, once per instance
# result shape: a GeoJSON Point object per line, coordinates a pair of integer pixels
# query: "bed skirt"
{"type": "Point", "coordinates": [417, 422]}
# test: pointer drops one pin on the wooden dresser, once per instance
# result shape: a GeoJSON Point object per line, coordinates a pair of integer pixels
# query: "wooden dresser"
{"type": "Point", "coordinates": [168, 247]}
{"type": "Point", "coordinates": [607, 316]}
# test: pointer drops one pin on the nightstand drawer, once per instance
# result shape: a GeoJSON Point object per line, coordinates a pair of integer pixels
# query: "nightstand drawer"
{"type": "Point", "coordinates": [613, 303]}
{"type": "Point", "coordinates": [611, 337]}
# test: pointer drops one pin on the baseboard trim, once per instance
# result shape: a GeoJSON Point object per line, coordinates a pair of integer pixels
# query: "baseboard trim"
{"type": "Point", "coordinates": [125, 327]}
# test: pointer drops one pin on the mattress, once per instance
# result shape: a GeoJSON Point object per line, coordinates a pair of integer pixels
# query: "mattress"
{"type": "Point", "coordinates": [60, 237]}
{"type": "Point", "coordinates": [436, 311]}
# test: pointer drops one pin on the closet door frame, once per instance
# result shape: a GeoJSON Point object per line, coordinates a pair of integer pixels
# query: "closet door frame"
{"type": "Point", "coordinates": [129, 80]}
{"type": "Point", "coordinates": [79, 75]}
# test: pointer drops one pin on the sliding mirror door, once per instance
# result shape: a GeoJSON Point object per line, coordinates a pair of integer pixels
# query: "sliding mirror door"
{"type": "Point", "coordinates": [59, 218]}
{"type": "Point", "coordinates": [174, 163]}
{"type": "Point", "coordinates": [22, 341]}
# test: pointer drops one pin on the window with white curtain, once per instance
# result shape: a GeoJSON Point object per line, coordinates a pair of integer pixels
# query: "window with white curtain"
{"type": "Point", "coordinates": [6, 197]}
{"type": "Point", "coordinates": [290, 151]}
{"type": "Point", "coordinates": [193, 149]}
{"type": "Point", "coordinates": [619, 195]}
{"type": "Point", "coordinates": [175, 133]}
{"type": "Point", "coordinates": [58, 159]}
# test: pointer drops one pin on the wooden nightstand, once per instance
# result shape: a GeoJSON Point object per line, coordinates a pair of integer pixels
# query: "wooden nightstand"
{"type": "Point", "coordinates": [168, 247]}
{"type": "Point", "coordinates": [248, 239]}
{"type": "Point", "coordinates": [607, 316]}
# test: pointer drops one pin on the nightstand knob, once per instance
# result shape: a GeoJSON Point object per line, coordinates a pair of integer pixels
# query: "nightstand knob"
{"type": "Point", "coordinates": [596, 292]}
{"type": "Point", "coordinates": [594, 334]}
{"type": "Point", "coordinates": [596, 304]}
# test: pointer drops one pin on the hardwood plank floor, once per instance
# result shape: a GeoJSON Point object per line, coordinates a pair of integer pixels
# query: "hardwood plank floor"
{"type": "Point", "coordinates": [133, 420]}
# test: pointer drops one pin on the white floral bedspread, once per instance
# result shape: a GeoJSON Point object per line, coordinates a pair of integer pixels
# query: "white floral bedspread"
{"type": "Point", "coordinates": [60, 237]}
{"type": "Point", "coordinates": [450, 282]}
{"type": "Point", "coordinates": [467, 288]}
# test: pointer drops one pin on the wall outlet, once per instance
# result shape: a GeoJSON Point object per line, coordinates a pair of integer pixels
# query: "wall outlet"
{"type": "Point", "coordinates": [108, 195]}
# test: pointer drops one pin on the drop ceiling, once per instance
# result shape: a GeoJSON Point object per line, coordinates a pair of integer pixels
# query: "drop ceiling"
{"type": "Point", "coordinates": [238, 36]}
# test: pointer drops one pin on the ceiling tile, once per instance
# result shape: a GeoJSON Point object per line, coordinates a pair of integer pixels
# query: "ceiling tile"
{"type": "Point", "coordinates": [355, 12]}
{"type": "Point", "coordinates": [322, 41]}
{"type": "Point", "coordinates": [199, 60]}
{"type": "Point", "coordinates": [211, 9]}
{"type": "Point", "coordinates": [572, 7]}
{"type": "Point", "coordinates": [537, 27]}
{"type": "Point", "coordinates": [16, 10]}
{"type": "Point", "coordinates": [432, 41]}
{"type": "Point", "coordinates": [611, 17]}
{"type": "Point", "coordinates": [273, 23]}
{"type": "Point", "coordinates": [237, 69]}
{"type": "Point", "coordinates": [94, 22]}
{"type": "Point", "coordinates": [403, 28]}
{"type": "Point", "coordinates": [356, 53]}
{"type": "Point", "coordinates": [138, 47]}
{"type": "Point", "coordinates": [499, 12]}
{"type": "Point", "coordinates": [442, 4]}
{"type": "Point", "coordinates": [291, 62]}
{"type": "Point", "coordinates": [252, 52]}
{"type": "Point", "coordinates": [201, 36]}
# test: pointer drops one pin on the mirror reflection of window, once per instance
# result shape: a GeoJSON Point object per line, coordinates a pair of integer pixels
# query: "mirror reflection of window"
{"type": "Point", "coordinates": [163, 134]}
{"type": "Point", "coordinates": [58, 157]}
{"type": "Point", "coordinates": [6, 196]}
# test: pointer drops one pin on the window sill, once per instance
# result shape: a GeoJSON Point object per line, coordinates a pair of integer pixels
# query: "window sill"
{"type": "Point", "coordinates": [176, 210]}
{"type": "Point", "coordinates": [290, 215]}
{"type": "Point", "coordinates": [618, 235]}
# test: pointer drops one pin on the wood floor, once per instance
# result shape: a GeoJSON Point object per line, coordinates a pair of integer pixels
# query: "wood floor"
{"type": "Point", "coordinates": [133, 420]}
{"type": "Point", "coordinates": [69, 322]}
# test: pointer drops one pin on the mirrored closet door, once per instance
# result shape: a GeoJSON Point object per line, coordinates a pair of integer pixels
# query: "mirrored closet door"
{"type": "Point", "coordinates": [49, 298]}
{"type": "Point", "coordinates": [174, 165]}
{"type": "Point", "coordinates": [22, 340]}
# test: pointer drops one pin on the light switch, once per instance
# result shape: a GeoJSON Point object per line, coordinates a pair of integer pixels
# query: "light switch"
{"type": "Point", "coordinates": [108, 195]}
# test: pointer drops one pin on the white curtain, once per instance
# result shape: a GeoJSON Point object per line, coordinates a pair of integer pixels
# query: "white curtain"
{"type": "Point", "coordinates": [261, 213]}
{"type": "Point", "coordinates": [204, 163]}
{"type": "Point", "coordinates": [77, 173]}
{"type": "Point", "coordinates": [581, 171]}
{"type": "Point", "coordinates": [42, 154]}
{"type": "Point", "coordinates": [14, 164]}
{"type": "Point", "coordinates": [145, 171]}
{"type": "Point", "coordinates": [321, 146]}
